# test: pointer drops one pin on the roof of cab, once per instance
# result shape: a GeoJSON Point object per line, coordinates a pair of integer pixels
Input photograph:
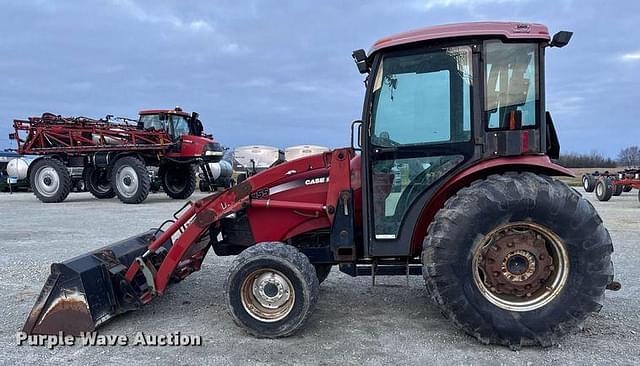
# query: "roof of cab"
{"type": "Point", "coordinates": [510, 30]}
{"type": "Point", "coordinates": [168, 111]}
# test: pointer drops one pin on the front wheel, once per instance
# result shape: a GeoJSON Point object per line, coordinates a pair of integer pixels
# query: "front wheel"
{"type": "Point", "coordinates": [271, 290]}
{"type": "Point", "coordinates": [517, 259]}
{"type": "Point", "coordinates": [178, 180]}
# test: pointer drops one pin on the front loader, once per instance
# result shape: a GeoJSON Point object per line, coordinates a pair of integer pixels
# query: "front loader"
{"type": "Point", "coordinates": [450, 179]}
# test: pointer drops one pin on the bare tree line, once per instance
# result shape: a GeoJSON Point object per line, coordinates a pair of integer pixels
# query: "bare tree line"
{"type": "Point", "coordinates": [629, 157]}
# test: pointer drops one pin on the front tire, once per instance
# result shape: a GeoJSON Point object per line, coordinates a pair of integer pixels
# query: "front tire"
{"type": "Point", "coordinates": [178, 180]}
{"type": "Point", "coordinates": [517, 259]}
{"type": "Point", "coordinates": [271, 290]}
{"type": "Point", "coordinates": [50, 180]}
{"type": "Point", "coordinates": [130, 180]}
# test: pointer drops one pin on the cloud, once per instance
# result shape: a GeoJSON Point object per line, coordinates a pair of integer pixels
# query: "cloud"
{"type": "Point", "coordinates": [142, 15]}
{"type": "Point", "coordinates": [631, 56]}
{"type": "Point", "coordinates": [431, 4]}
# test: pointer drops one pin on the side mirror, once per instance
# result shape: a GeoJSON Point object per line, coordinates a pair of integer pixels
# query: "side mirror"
{"type": "Point", "coordinates": [12, 136]}
{"type": "Point", "coordinates": [358, 143]}
{"type": "Point", "coordinates": [561, 39]}
{"type": "Point", "coordinates": [360, 57]}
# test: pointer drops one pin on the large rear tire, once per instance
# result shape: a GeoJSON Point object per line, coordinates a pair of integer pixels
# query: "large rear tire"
{"type": "Point", "coordinates": [178, 180]}
{"type": "Point", "coordinates": [517, 259]}
{"type": "Point", "coordinates": [50, 180]}
{"type": "Point", "coordinates": [271, 290]}
{"type": "Point", "coordinates": [130, 180]}
{"type": "Point", "coordinates": [97, 182]}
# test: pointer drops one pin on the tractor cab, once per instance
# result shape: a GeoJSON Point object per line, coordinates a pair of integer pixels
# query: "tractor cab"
{"type": "Point", "coordinates": [185, 130]}
{"type": "Point", "coordinates": [439, 101]}
{"type": "Point", "coordinates": [175, 121]}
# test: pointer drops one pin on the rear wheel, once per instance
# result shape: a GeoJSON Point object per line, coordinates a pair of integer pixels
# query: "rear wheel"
{"type": "Point", "coordinates": [271, 290]}
{"type": "Point", "coordinates": [588, 182]}
{"type": "Point", "coordinates": [130, 180]}
{"type": "Point", "coordinates": [178, 180]}
{"type": "Point", "coordinates": [50, 180]}
{"type": "Point", "coordinates": [517, 276]}
{"type": "Point", "coordinates": [604, 189]}
{"type": "Point", "coordinates": [97, 182]}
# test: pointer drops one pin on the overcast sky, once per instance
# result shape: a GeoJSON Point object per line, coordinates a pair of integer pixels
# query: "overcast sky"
{"type": "Point", "coordinates": [280, 72]}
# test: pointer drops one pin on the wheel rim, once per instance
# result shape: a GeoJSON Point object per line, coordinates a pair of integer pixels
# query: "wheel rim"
{"type": "Point", "coordinates": [267, 295]}
{"type": "Point", "coordinates": [47, 181]}
{"type": "Point", "coordinates": [599, 189]}
{"type": "Point", "coordinates": [127, 181]}
{"type": "Point", "coordinates": [520, 266]}
{"type": "Point", "coordinates": [585, 182]}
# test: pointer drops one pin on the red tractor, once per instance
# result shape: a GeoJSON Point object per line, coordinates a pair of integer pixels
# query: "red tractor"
{"type": "Point", "coordinates": [114, 155]}
{"type": "Point", "coordinates": [452, 182]}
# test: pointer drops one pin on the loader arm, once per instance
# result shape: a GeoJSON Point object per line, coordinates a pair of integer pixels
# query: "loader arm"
{"type": "Point", "coordinates": [195, 221]}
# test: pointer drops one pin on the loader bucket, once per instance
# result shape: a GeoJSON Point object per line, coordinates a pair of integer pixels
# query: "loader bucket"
{"type": "Point", "coordinates": [84, 292]}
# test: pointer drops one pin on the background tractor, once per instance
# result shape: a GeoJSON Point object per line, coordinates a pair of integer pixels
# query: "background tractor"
{"type": "Point", "coordinates": [115, 155]}
{"type": "Point", "coordinates": [452, 182]}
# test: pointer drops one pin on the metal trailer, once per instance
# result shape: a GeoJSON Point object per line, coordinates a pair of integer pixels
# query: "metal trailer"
{"type": "Point", "coordinates": [607, 184]}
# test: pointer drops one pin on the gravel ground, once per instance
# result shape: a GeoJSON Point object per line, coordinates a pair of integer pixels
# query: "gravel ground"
{"type": "Point", "coordinates": [353, 323]}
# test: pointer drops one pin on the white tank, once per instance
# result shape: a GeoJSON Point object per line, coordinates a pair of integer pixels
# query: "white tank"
{"type": "Point", "coordinates": [299, 151]}
{"type": "Point", "coordinates": [18, 167]}
{"type": "Point", "coordinates": [263, 156]}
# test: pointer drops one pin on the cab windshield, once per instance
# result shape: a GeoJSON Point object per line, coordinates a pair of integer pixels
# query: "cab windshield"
{"type": "Point", "coordinates": [422, 97]}
{"type": "Point", "coordinates": [174, 124]}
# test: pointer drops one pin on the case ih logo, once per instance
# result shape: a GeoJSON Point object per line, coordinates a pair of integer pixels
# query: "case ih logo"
{"type": "Point", "coordinates": [522, 28]}
{"type": "Point", "coordinates": [309, 182]}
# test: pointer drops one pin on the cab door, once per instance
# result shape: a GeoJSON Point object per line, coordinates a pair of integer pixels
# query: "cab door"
{"type": "Point", "coordinates": [418, 132]}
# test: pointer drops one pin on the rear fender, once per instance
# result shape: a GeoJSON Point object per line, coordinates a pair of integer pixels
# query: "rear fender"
{"type": "Point", "coordinates": [539, 164]}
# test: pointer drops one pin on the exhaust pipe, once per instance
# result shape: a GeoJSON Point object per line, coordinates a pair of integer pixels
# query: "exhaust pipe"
{"type": "Point", "coordinates": [86, 291]}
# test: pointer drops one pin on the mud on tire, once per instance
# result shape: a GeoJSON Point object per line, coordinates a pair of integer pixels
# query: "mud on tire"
{"type": "Point", "coordinates": [260, 275]}
{"type": "Point", "coordinates": [50, 180]}
{"type": "Point", "coordinates": [461, 226]}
